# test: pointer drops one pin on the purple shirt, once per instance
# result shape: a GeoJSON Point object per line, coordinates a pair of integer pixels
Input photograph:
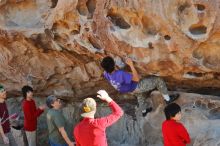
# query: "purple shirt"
{"type": "Point", "coordinates": [121, 81]}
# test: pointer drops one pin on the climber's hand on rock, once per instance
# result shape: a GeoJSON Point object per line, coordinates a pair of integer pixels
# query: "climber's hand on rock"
{"type": "Point", "coordinates": [129, 61]}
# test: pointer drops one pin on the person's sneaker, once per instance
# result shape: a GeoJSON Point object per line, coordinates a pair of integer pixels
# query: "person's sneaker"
{"type": "Point", "coordinates": [146, 111]}
{"type": "Point", "coordinates": [173, 97]}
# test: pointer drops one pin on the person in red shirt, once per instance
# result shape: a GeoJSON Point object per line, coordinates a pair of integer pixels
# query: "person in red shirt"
{"type": "Point", "coordinates": [174, 133]}
{"type": "Point", "coordinates": [91, 131]}
{"type": "Point", "coordinates": [31, 113]}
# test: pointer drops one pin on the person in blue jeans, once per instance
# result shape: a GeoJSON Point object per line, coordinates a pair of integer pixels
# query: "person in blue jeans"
{"type": "Point", "coordinates": [54, 144]}
{"type": "Point", "coordinates": [126, 82]}
{"type": "Point", "coordinates": [59, 129]}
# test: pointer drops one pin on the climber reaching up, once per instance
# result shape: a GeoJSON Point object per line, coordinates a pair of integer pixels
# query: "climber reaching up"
{"type": "Point", "coordinates": [126, 82]}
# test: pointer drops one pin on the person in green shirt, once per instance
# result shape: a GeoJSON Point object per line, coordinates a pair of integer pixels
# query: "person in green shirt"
{"type": "Point", "coordinates": [57, 123]}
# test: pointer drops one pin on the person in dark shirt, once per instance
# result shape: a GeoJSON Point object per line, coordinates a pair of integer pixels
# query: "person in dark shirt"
{"type": "Point", "coordinates": [6, 137]}
{"type": "Point", "coordinates": [58, 126]}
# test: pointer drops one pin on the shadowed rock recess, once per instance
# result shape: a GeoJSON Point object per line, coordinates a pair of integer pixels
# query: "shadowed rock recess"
{"type": "Point", "coordinates": [56, 47]}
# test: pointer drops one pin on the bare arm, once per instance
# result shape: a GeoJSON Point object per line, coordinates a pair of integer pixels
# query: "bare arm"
{"type": "Point", "coordinates": [1, 131]}
{"type": "Point", "coordinates": [135, 76]}
{"type": "Point", "coordinates": [117, 112]}
{"type": "Point", "coordinates": [65, 137]}
{"type": "Point", "coordinates": [4, 137]}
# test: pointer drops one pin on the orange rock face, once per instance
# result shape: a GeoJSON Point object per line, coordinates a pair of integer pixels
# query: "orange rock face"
{"type": "Point", "coordinates": [56, 46]}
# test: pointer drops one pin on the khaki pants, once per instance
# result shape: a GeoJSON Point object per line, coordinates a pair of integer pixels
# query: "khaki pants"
{"type": "Point", "coordinates": [31, 138]}
{"type": "Point", "coordinates": [11, 140]}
